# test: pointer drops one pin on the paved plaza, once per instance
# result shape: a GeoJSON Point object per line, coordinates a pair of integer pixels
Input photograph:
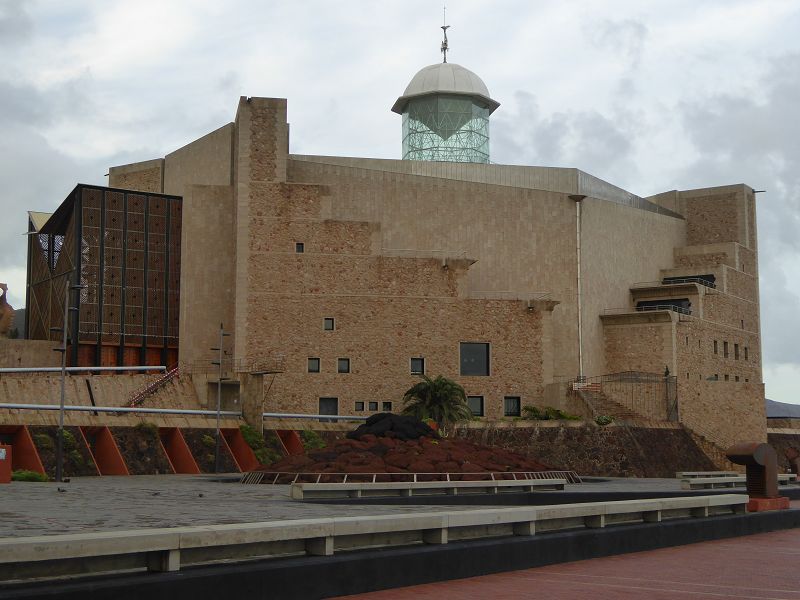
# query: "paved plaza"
{"type": "Point", "coordinates": [104, 503]}
{"type": "Point", "coordinates": [751, 567]}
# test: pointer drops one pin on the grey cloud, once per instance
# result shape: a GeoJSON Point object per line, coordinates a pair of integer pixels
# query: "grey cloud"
{"type": "Point", "coordinates": [626, 37]}
{"type": "Point", "coordinates": [15, 23]}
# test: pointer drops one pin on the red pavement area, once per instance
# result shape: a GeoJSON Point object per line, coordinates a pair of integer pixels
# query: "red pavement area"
{"type": "Point", "coordinates": [757, 566]}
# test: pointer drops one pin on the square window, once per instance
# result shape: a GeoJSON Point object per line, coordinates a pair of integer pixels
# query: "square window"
{"type": "Point", "coordinates": [328, 324]}
{"type": "Point", "coordinates": [512, 406]}
{"type": "Point", "coordinates": [328, 406]}
{"type": "Point", "coordinates": [386, 407]}
{"type": "Point", "coordinates": [313, 365]}
{"type": "Point", "coordinates": [299, 247]}
{"type": "Point", "coordinates": [373, 406]}
{"type": "Point", "coordinates": [359, 406]}
{"type": "Point", "coordinates": [475, 404]}
{"type": "Point", "coordinates": [343, 365]}
{"type": "Point", "coordinates": [474, 358]}
{"type": "Point", "coordinates": [417, 366]}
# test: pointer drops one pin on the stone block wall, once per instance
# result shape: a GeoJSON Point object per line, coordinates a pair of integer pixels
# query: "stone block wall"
{"type": "Point", "coordinates": [146, 176]}
{"type": "Point", "coordinates": [640, 344]}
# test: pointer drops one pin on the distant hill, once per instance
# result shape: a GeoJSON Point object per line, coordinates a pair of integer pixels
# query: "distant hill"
{"type": "Point", "coordinates": [782, 410]}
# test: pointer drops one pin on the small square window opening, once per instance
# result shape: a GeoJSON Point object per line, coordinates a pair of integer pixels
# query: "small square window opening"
{"type": "Point", "coordinates": [343, 365]}
{"type": "Point", "coordinates": [386, 407]}
{"type": "Point", "coordinates": [373, 406]}
{"type": "Point", "coordinates": [299, 247]}
{"type": "Point", "coordinates": [359, 407]}
{"type": "Point", "coordinates": [328, 324]}
{"type": "Point", "coordinates": [475, 404]}
{"type": "Point", "coordinates": [512, 406]}
{"type": "Point", "coordinates": [418, 366]}
{"type": "Point", "coordinates": [313, 365]}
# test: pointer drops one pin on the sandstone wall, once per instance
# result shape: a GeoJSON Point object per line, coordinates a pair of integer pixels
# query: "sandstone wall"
{"type": "Point", "coordinates": [146, 176]}
{"type": "Point", "coordinates": [206, 161]}
{"type": "Point", "coordinates": [28, 353]}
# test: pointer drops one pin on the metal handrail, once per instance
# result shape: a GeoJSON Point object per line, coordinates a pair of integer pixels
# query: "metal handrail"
{"type": "Point", "coordinates": [79, 369]}
{"type": "Point", "coordinates": [570, 476]}
{"type": "Point", "coordinates": [121, 409]}
{"type": "Point", "coordinates": [670, 307]}
{"type": "Point", "coordinates": [679, 281]}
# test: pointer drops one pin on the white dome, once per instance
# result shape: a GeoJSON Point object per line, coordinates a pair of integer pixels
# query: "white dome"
{"type": "Point", "coordinates": [446, 78]}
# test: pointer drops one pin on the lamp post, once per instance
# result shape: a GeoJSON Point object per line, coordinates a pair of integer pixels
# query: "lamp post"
{"type": "Point", "coordinates": [218, 362]}
{"type": "Point", "coordinates": [63, 349]}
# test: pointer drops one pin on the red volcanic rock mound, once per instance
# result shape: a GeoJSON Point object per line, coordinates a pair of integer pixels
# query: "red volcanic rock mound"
{"type": "Point", "coordinates": [389, 454]}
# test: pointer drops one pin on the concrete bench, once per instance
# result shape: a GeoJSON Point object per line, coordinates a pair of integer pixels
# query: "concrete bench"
{"type": "Point", "coordinates": [167, 549]}
{"type": "Point", "coordinates": [701, 483]}
{"type": "Point", "coordinates": [695, 474]}
{"type": "Point", "coordinates": [303, 491]}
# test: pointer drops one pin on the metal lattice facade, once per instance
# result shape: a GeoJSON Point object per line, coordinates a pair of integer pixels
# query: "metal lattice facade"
{"type": "Point", "coordinates": [446, 128]}
{"type": "Point", "coordinates": [124, 247]}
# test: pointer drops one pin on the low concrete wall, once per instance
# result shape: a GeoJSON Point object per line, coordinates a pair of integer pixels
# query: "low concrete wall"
{"type": "Point", "coordinates": [28, 353]}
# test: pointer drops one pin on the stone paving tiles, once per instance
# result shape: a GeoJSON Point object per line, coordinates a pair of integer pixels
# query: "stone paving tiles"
{"type": "Point", "coordinates": [762, 566]}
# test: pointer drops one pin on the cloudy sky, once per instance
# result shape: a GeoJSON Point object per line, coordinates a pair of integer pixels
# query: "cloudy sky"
{"type": "Point", "coordinates": [650, 96]}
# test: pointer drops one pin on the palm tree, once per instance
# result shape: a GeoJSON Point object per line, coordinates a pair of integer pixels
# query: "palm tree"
{"type": "Point", "coordinates": [440, 399]}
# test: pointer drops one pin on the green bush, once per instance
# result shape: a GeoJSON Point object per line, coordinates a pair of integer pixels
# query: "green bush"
{"type": "Point", "coordinates": [76, 458]}
{"type": "Point", "coordinates": [254, 439]}
{"type": "Point", "coordinates": [69, 441]}
{"type": "Point", "coordinates": [208, 441]}
{"type": "Point", "coordinates": [311, 440]}
{"type": "Point", "coordinates": [23, 475]}
{"type": "Point", "coordinates": [147, 429]}
{"type": "Point", "coordinates": [43, 441]}
{"type": "Point", "coordinates": [604, 420]}
{"type": "Point", "coordinates": [266, 456]}
{"type": "Point", "coordinates": [548, 413]}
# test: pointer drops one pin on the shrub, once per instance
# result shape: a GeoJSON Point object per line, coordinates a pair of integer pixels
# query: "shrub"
{"type": "Point", "coordinates": [76, 458]}
{"type": "Point", "coordinates": [44, 441]}
{"type": "Point", "coordinates": [266, 456]}
{"type": "Point", "coordinates": [311, 440]}
{"type": "Point", "coordinates": [548, 413]}
{"type": "Point", "coordinates": [208, 441]}
{"type": "Point", "coordinates": [23, 475]}
{"type": "Point", "coordinates": [604, 420]}
{"type": "Point", "coordinates": [147, 429]}
{"type": "Point", "coordinates": [254, 439]}
{"type": "Point", "coordinates": [69, 441]}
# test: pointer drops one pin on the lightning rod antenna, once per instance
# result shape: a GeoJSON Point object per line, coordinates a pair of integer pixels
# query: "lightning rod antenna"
{"type": "Point", "coordinates": [445, 27]}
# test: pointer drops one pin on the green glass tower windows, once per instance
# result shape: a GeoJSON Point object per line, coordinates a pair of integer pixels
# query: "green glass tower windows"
{"type": "Point", "coordinates": [446, 128]}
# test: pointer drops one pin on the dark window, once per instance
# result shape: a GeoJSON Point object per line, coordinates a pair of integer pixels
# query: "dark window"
{"type": "Point", "coordinates": [313, 365]}
{"type": "Point", "coordinates": [727, 377]}
{"type": "Point", "coordinates": [475, 404]}
{"type": "Point", "coordinates": [328, 406]}
{"type": "Point", "coordinates": [373, 406]}
{"type": "Point", "coordinates": [359, 406]}
{"type": "Point", "coordinates": [716, 348]}
{"type": "Point", "coordinates": [299, 247]}
{"type": "Point", "coordinates": [725, 349]}
{"type": "Point", "coordinates": [417, 366]}
{"type": "Point", "coordinates": [745, 352]}
{"type": "Point", "coordinates": [512, 406]}
{"type": "Point", "coordinates": [736, 378]}
{"type": "Point", "coordinates": [386, 407]}
{"type": "Point", "coordinates": [687, 340]}
{"type": "Point", "coordinates": [716, 376]}
{"type": "Point", "coordinates": [343, 365]}
{"type": "Point", "coordinates": [746, 380]}
{"type": "Point", "coordinates": [328, 324]}
{"type": "Point", "coordinates": [474, 358]}
{"type": "Point", "coordinates": [736, 351]}
{"type": "Point", "coordinates": [742, 323]}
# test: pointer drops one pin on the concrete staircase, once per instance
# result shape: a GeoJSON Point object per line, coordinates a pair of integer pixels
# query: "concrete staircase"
{"type": "Point", "coordinates": [600, 404]}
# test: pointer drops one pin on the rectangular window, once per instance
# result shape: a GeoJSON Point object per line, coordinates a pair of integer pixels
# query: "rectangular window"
{"type": "Point", "coordinates": [727, 377]}
{"type": "Point", "coordinates": [687, 340]}
{"type": "Point", "coordinates": [716, 376]}
{"type": "Point", "coordinates": [512, 406]}
{"type": "Point", "coordinates": [359, 406]}
{"type": "Point", "coordinates": [299, 247]}
{"type": "Point", "coordinates": [343, 365]}
{"type": "Point", "coordinates": [746, 380]}
{"type": "Point", "coordinates": [313, 365]}
{"type": "Point", "coordinates": [725, 349]}
{"type": "Point", "coordinates": [745, 352]}
{"type": "Point", "coordinates": [386, 407]}
{"type": "Point", "coordinates": [475, 404]}
{"type": "Point", "coordinates": [742, 323]}
{"type": "Point", "coordinates": [474, 358]}
{"type": "Point", "coordinates": [417, 366]}
{"type": "Point", "coordinates": [328, 406]}
{"type": "Point", "coordinates": [716, 349]}
{"type": "Point", "coordinates": [373, 406]}
{"type": "Point", "coordinates": [328, 324]}
{"type": "Point", "coordinates": [736, 351]}
{"type": "Point", "coordinates": [736, 378]}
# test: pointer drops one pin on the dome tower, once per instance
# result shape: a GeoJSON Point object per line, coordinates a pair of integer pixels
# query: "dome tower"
{"type": "Point", "coordinates": [446, 112]}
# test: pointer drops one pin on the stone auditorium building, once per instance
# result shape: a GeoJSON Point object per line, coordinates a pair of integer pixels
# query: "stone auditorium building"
{"type": "Point", "coordinates": [342, 278]}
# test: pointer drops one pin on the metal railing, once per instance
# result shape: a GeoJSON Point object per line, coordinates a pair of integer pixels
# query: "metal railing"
{"type": "Point", "coordinates": [120, 409]}
{"type": "Point", "coordinates": [676, 281]}
{"type": "Point", "coordinates": [286, 477]}
{"type": "Point", "coordinates": [649, 395]}
{"type": "Point", "coordinates": [80, 369]}
{"type": "Point", "coordinates": [152, 387]}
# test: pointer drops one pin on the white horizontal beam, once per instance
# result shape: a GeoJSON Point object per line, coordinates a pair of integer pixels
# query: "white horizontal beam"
{"type": "Point", "coordinates": [121, 409]}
